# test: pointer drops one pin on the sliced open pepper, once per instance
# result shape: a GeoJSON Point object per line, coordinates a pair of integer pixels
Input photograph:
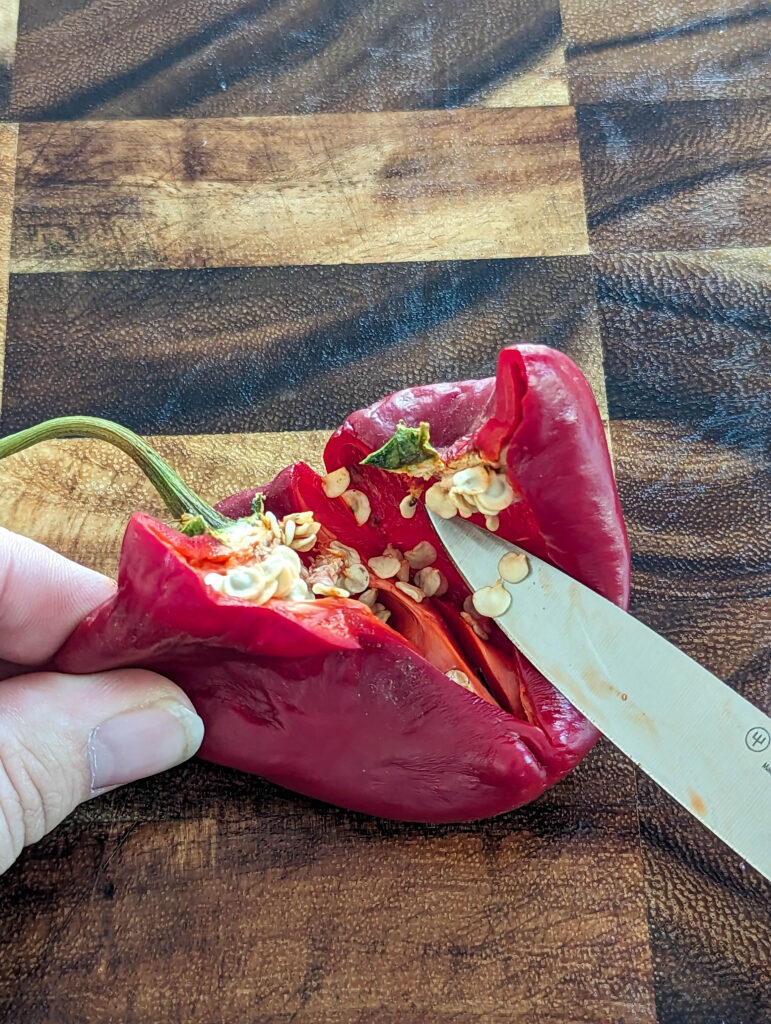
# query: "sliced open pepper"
{"type": "Point", "coordinates": [321, 630]}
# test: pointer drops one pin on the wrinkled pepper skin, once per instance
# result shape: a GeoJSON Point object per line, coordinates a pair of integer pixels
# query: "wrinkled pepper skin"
{"type": "Point", "coordinates": [322, 697]}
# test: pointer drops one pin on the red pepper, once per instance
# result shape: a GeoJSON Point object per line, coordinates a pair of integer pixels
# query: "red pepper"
{"type": "Point", "coordinates": [323, 697]}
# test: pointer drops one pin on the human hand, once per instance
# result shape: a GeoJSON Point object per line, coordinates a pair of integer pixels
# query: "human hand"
{"type": "Point", "coordinates": [65, 739]}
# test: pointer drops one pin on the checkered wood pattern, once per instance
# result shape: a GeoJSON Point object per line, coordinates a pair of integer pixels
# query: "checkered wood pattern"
{"type": "Point", "coordinates": [228, 223]}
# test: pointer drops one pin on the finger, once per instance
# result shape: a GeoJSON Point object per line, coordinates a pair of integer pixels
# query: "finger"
{"type": "Point", "coordinates": [64, 739]}
{"type": "Point", "coordinates": [43, 596]}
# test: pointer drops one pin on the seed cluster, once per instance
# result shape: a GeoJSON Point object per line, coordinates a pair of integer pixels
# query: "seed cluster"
{"type": "Point", "coordinates": [339, 572]}
{"type": "Point", "coordinates": [279, 574]}
{"type": "Point", "coordinates": [276, 570]}
{"type": "Point", "coordinates": [297, 531]}
{"type": "Point", "coordinates": [426, 580]}
{"type": "Point", "coordinates": [463, 492]}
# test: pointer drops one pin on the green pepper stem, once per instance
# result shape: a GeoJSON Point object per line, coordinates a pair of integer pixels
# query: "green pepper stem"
{"type": "Point", "coordinates": [179, 498]}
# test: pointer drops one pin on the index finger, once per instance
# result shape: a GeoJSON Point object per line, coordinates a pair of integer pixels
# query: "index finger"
{"type": "Point", "coordinates": [43, 596]}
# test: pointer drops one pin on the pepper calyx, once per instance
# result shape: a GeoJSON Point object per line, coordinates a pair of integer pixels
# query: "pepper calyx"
{"type": "Point", "coordinates": [192, 526]}
{"type": "Point", "coordinates": [408, 449]}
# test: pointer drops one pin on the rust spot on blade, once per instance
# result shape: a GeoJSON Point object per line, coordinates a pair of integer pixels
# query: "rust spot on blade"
{"type": "Point", "coordinates": [697, 804]}
{"type": "Point", "coordinates": [597, 683]}
{"type": "Point", "coordinates": [600, 686]}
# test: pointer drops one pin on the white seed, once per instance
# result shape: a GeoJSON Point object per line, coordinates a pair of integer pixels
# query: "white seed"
{"type": "Point", "coordinates": [404, 571]}
{"type": "Point", "coordinates": [384, 566]}
{"type": "Point", "coordinates": [215, 581]}
{"type": "Point", "coordinates": [303, 522]}
{"type": "Point", "coordinates": [474, 480]}
{"type": "Point", "coordinates": [421, 555]}
{"type": "Point", "coordinates": [336, 482]}
{"type": "Point", "coordinates": [465, 510]}
{"type": "Point", "coordinates": [393, 552]}
{"type": "Point", "coordinates": [272, 568]}
{"type": "Point", "coordinates": [306, 529]}
{"type": "Point", "coordinates": [301, 517]}
{"type": "Point", "coordinates": [272, 524]}
{"type": "Point", "coordinates": [268, 591]}
{"type": "Point", "coordinates": [300, 592]}
{"type": "Point", "coordinates": [351, 555]}
{"type": "Point", "coordinates": [439, 501]}
{"type": "Point", "coordinates": [324, 590]}
{"type": "Point", "coordinates": [492, 601]}
{"type": "Point", "coordinates": [277, 575]}
{"type": "Point", "coordinates": [514, 567]}
{"type": "Point", "coordinates": [242, 581]}
{"type": "Point", "coordinates": [430, 581]}
{"type": "Point", "coordinates": [356, 579]}
{"type": "Point", "coordinates": [299, 530]}
{"type": "Point", "coordinates": [460, 678]}
{"type": "Point", "coordinates": [369, 597]}
{"type": "Point", "coordinates": [414, 592]}
{"type": "Point", "coordinates": [358, 503]}
{"type": "Point", "coordinates": [476, 625]}
{"type": "Point", "coordinates": [498, 496]}
{"type": "Point", "coordinates": [408, 506]}
{"type": "Point", "coordinates": [305, 544]}
{"type": "Point", "coordinates": [282, 555]}
{"type": "Point", "coordinates": [492, 523]}
{"type": "Point", "coordinates": [381, 612]}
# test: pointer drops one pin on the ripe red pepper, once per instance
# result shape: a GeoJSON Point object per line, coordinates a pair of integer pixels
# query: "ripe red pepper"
{"type": "Point", "coordinates": [323, 697]}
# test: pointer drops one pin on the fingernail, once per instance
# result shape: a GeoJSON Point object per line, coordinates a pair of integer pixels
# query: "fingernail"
{"type": "Point", "coordinates": [139, 743]}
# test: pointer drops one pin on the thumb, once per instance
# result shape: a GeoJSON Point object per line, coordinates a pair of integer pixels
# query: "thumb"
{"type": "Point", "coordinates": [64, 739]}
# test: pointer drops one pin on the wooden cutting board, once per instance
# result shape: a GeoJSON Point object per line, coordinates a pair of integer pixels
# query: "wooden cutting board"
{"type": "Point", "coordinates": [229, 224]}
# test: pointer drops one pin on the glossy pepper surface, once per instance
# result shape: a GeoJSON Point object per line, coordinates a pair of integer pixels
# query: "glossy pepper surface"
{"type": "Point", "coordinates": [316, 691]}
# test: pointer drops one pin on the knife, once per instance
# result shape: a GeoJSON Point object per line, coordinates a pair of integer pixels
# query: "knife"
{"type": "Point", "coordinates": [705, 745]}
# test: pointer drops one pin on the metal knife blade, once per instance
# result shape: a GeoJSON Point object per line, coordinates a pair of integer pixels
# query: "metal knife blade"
{"type": "Point", "coordinates": [698, 739]}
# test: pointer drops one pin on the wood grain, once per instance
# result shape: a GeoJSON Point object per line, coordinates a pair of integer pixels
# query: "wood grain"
{"type": "Point", "coordinates": [691, 50]}
{"type": "Point", "coordinates": [700, 317]}
{"type": "Point", "coordinates": [357, 919]}
{"type": "Point", "coordinates": [8, 136]}
{"type": "Point", "coordinates": [686, 358]}
{"type": "Point", "coordinates": [235, 57]}
{"type": "Point", "coordinates": [269, 191]}
{"type": "Point", "coordinates": [539, 81]}
{"type": "Point", "coordinates": [693, 881]}
{"type": "Point", "coordinates": [236, 350]}
{"type": "Point", "coordinates": [677, 175]}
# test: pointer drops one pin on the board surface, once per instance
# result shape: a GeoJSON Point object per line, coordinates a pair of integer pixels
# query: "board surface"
{"type": "Point", "coordinates": [228, 224]}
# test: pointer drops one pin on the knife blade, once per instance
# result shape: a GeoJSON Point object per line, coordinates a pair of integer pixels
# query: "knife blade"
{"type": "Point", "coordinates": [704, 744]}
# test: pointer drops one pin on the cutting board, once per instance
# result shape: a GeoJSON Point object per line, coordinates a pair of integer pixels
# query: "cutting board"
{"type": "Point", "coordinates": [227, 225]}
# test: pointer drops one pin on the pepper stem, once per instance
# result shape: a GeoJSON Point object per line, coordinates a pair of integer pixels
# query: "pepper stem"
{"type": "Point", "coordinates": [179, 498]}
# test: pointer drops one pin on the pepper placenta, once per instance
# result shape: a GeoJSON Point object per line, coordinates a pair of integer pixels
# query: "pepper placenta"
{"type": "Point", "coordinates": [319, 627]}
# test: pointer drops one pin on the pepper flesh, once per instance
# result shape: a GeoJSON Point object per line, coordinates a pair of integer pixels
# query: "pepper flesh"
{"type": "Point", "coordinates": [322, 697]}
